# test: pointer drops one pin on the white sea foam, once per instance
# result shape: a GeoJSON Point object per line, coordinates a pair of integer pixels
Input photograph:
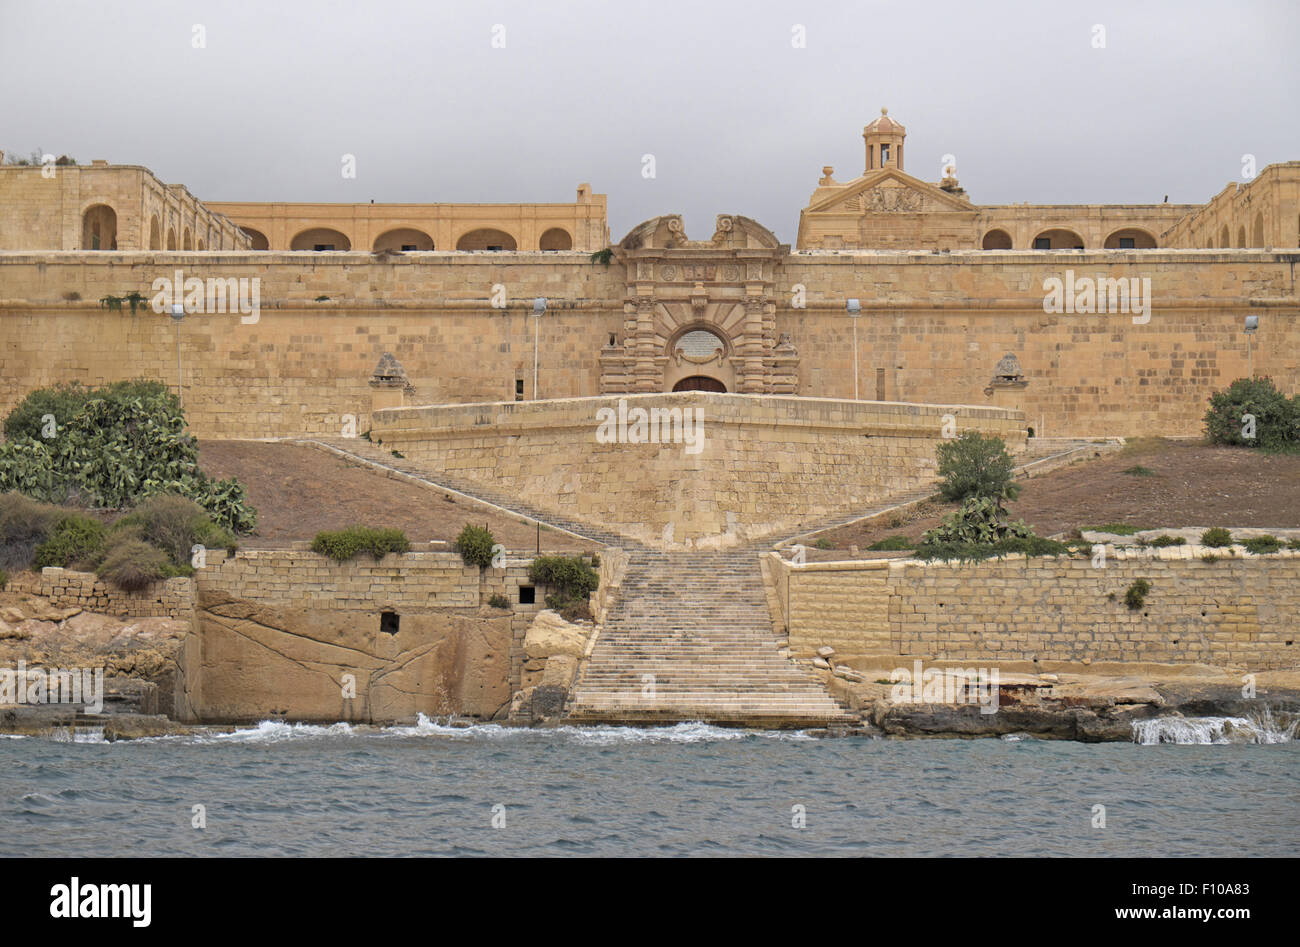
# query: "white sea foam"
{"type": "Point", "coordinates": [274, 731]}
{"type": "Point", "coordinates": [1214, 730]}
{"type": "Point", "coordinates": [693, 732]}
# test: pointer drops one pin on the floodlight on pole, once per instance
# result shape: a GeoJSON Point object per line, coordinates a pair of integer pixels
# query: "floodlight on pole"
{"type": "Point", "coordinates": [1252, 324]}
{"type": "Point", "coordinates": [854, 308]}
{"type": "Point", "coordinates": [178, 313]}
{"type": "Point", "coordinates": [539, 307]}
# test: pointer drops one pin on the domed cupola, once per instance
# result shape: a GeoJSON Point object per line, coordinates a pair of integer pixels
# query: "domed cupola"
{"type": "Point", "coordinates": [884, 138]}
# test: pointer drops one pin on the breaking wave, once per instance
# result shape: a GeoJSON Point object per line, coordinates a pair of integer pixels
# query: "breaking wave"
{"type": "Point", "coordinates": [1259, 728]}
{"type": "Point", "coordinates": [274, 731]}
{"type": "Point", "coordinates": [694, 732]}
{"type": "Point", "coordinates": [452, 728]}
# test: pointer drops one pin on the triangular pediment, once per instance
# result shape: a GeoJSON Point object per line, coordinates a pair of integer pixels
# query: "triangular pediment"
{"type": "Point", "coordinates": [889, 191]}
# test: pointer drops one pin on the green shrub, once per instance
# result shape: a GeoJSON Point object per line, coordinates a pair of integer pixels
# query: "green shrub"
{"type": "Point", "coordinates": [975, 552]}
{"type": "Point", "coordinates": [75, 540]}
{"type": "Point", "coordinates": [1136, 594]}
{"type": "Point", "coordinates": [1217, 537]}
{"type": "Point", "coordinates": [4, 579]}
{"type": "Point", "coordinates": [976, 466]}
{"type": "Point", "coordinates": [1162, 541]}
{"type": "Point", "coordinates": [1277, 417]}
{"type": "Point", "coordinates": [1262, 545]}
{"type": "Point", "coordinates": [114, 445]}
{"type": "Point", "coordinates": [1139, 471]}
{"type": "Point", "coordinates": [342, 544]}
{"type": "Point", "coordinates": [24, 525]}
{"type": "Point", "coordinates": [175, 525]}
{"type": "Point", "coordinates": [570, 576]}
{"type": "Point", "coordinates": [133, 565]}
{"type": "Point", "coordinates": [892, 543]}
{"type": "Point", "coordinates": [824, 543]}
{"type": "Point", "coordinates": [499, 601]}
{"type": "Point", "coordinates": [981, 520]}
{"type": "Point", "coordinates": [1294, 544]}
{"type": "Point", "coordinates": [475, 545]}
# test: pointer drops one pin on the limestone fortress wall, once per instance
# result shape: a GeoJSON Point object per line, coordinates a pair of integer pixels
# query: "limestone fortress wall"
{"type": "Point", "coordinates": [1239, 612]}
{"type": "Point", "coordinates": [934, 328]}
{"type": "Point", "coordinates": [704, 468]}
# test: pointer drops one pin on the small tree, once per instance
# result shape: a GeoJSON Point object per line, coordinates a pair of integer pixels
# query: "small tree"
{"type": "Point", "coordinates": [475, 545]}
{"type": "Point", "coordinates": [1276, 418]}
{"type": "Point", "coordinates": [976, 466]}
{"type": "Point", "coordinates": [570, 576]}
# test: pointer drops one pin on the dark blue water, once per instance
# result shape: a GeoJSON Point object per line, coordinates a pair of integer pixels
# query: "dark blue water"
{"type": "Point", "coordinates": [687, 790]}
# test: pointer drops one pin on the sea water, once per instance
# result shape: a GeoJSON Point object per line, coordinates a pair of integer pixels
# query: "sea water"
{"type": "Point", "coordinates": [1202, 787]}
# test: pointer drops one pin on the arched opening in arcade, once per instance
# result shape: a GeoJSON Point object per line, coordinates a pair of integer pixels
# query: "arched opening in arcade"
{"type": "Point", "coordinates": [486, 238]}
{"type": "Point", "coordinates": [557, 238]}
{"type": "Point", "coordinates": [321, 239]}
{"type": "Point", "coordinates": [155, 233]}
{"type": "Point", "coordinates": [405, 239]}
{"type": "Point", "coordinates": [1058, 239]}
{"type": "Point", "coordinates": [99, 228]}
{"type": "Point", "coordinates": [996, 239]}
{"type": "Point", "coordinates": [258, 238]}
{"type": "Point", "coordinates": [1130, 238]}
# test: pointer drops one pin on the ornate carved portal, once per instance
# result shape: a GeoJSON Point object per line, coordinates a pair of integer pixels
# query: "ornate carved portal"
{"type": "Point", "coordinates": [700, 310]}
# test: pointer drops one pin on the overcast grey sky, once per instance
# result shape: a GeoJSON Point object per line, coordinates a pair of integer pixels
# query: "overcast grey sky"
{"type": "Point", "coordinates": [738, 119]}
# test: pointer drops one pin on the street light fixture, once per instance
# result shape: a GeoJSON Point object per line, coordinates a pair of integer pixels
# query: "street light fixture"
{"type": "Point", "coordinates": [539, 307]}
{"type": "Point", "coordinates": [178, 313]}
{"type": "Point", "coordinates": [1252, 324]}
{"type": "Point", "coordinates": [854, 308]}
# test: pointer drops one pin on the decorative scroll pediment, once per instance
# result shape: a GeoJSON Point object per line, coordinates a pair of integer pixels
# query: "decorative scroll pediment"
{"type": "Point", "coordinates": [890, 191]}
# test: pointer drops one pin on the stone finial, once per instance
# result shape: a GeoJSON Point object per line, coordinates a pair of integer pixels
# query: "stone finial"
{"type": "Point", "coordinates": [1008, 369]}
{"type": "Point", "coordinates": [389, 373]}
{"type": "Point", "coordinates": [1008, 374]}
{"type": "Point", "coordinates": [827, 177]}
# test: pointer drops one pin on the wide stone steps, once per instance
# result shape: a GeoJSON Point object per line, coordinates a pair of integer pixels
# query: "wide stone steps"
{"type": "Point", "coordinates": [697, 625]}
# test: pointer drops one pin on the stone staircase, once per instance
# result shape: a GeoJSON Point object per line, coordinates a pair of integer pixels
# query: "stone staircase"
{"type": "Point", "coordinates": [690, 638]}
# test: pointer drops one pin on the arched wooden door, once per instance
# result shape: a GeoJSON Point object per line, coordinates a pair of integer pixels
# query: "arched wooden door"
{"type": "Point", "coordinates": [699, 383]}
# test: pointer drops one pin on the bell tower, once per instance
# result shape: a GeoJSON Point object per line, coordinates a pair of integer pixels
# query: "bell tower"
{"type": "Point", "coordinates": [884, 138]}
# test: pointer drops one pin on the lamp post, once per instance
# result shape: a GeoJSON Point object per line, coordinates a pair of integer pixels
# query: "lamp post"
{"type": "Point", "coordinates": [854, 308]}
{"type": "Point", "coordinates": [1252, 323]}
{"type": "Point", "coordinates": [539, 307]}
{"type": "Point", "coordinates": [178, 313]}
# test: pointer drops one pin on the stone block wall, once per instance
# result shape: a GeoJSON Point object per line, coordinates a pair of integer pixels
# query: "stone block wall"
{"type": "Point", "coordinates": [764, 462]}
{"type": "Point", "coordinates": [65, 588]}
{"type": "Point", "coordinates": [932, 330]}
{"type": "Point", "coordinates": [325, 321]}
{"type": "Point", "coordinates": [298, 577]}
{"type": "Point", "coordinates": [1240, 611]}
{"type": "Point", "coordinates": [285, 629]}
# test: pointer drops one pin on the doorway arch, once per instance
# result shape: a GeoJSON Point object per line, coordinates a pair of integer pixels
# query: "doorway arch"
{"type": "Point", "coordinates": [700, 383]}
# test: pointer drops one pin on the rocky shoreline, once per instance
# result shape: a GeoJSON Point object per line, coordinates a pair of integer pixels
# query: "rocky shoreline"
{"type": "Point", "coordinates": [143, 674]}
{"type": "Point", "coordinates": [1271, 718]}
